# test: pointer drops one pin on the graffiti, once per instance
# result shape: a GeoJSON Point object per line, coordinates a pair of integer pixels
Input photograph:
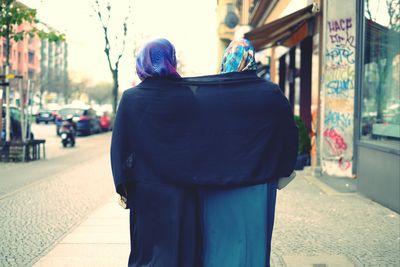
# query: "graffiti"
{"type": "Point", "coordinates": [339, 87]}
{"type": "Point", "coordinates": [340, 55]}
{"type": "Point", "coordinates": [341, 72]}
{"type": "Point", "coordinates": [340, 35]}
{"type": "Point", "coordinates": [336, 142]}
{"type": "Point", "coordinates": [343, 40]}
{"type": "Point", "coordinates": [344, 164]}
{"type": "Point", "coordinates": [340, 25]}
{"type": "Point", "coordinates": [344, 105]}
{"type": "Point", "coordinates": [338, 120]}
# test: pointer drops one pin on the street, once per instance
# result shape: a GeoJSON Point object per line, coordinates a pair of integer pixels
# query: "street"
{"type": "Point", "coordinates": [41, 201]}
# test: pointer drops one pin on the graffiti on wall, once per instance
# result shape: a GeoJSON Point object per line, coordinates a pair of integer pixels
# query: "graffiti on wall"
{"type": "Point", "coordinates": [340, 32]}
{"type": "Point", "coordinates": [338, 120]}
{"type": "Point", "coordinates": [338, 86]}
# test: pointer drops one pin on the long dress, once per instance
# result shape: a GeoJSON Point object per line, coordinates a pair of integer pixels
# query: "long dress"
{"type": "Point", "coordinates": [237, 226]}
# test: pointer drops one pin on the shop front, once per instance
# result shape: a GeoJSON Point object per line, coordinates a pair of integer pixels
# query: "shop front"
{"type": "Point", "coordinates": [378, 106]}
{"type": "Point", "coordinates": [292, 42]}
{"type": "Point", "coordinates": [340, 69]}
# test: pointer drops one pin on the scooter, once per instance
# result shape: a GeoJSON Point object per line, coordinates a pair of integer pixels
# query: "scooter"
{"type": "Point", "coordinates": [67, 134]}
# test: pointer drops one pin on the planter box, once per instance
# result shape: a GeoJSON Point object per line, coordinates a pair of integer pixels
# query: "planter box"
{"type": "Point", "coordinates": [302, 160]}
{"type": "Point", "coordinates": [20, 152]}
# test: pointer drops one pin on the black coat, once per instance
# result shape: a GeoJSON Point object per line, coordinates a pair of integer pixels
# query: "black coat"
{"type": "Point", "coordinates": [173, 136]}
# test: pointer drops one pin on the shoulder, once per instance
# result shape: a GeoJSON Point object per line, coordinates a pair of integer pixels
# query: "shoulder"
{"type": "Point", "coordinates": [273, 94]}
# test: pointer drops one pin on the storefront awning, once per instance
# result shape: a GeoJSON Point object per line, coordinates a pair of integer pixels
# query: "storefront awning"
{"type": "Point", "coordinates": [274, 33]}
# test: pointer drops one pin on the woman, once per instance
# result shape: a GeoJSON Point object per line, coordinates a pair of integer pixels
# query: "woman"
{"type": "Point", "coordinates": [161, 215]}
{"type": "Point", "coordinates": [238, 223]}
{"type": "Point", "coordinates": [174, 137]}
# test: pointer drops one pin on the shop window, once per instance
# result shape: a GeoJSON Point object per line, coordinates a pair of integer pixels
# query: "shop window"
{"type": "Point", "coordinates": [380, 94]}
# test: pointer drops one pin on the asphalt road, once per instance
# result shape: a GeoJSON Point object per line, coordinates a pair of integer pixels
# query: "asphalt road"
{"type": "Point", "coordinates": [41, 201]}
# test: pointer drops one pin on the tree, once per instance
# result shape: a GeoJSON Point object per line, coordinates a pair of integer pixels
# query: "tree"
{"type": "Point", "coordinates": [103, 12]}
{"type": "Point", "coordinates": [387, 52]}
{"type": "Point", "coordinates": [100, 93]}
{"type": "Point", "coordinates": [12, 15]}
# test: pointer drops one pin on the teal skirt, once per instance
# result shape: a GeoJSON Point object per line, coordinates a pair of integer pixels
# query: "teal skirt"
{"type": "Point", "coordinates": [237, 226]}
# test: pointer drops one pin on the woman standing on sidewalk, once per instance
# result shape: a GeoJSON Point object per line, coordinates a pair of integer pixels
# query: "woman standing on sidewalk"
{"type": "Point", "coordinates": [238, 223]}
{"type": "Point", "coordinates": [162, 216]}
{"type": "Point", "coordinates": [175, 137]}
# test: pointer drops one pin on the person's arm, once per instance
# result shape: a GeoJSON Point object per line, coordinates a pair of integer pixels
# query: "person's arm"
{"type": "Point", "coordinates": [120, 149]}
{"type": "Point", "coordinates": [289, 133]}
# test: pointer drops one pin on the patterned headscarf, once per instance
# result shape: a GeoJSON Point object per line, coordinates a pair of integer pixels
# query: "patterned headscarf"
{"type": "Point", "coordinates": [157, 59]}
{"type": "Point", "coordinates": [238, 56]}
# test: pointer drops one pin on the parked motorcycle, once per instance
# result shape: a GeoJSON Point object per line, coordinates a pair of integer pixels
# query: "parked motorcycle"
{"type": "Point", "coordinates": [68, 132]}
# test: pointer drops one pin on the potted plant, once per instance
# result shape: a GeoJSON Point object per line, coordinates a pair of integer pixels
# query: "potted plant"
{"type": "Point", "coordinates": [303, 154]}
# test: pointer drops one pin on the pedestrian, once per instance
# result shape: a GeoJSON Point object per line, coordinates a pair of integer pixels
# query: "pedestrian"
{"type": "Point", "coordinates": [162, 222]}
{"type": "Point", "coordinates": [238, 223]}
{"type": "Point", "coordinates": [179, 144]}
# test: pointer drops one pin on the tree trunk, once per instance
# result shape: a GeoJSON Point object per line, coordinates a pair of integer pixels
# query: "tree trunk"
{"type": "Point", "coordinates": [7, 71]}
{"type": "Point", "coordinates": [115, 90]}
{"type": "Point", "coordinates": [41, 97]}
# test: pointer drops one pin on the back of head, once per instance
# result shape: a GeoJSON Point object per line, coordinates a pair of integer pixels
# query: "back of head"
{"type": "Point", "coordinates": [157, 59]}
{"type": "Point", "coordinates": [238, 56]}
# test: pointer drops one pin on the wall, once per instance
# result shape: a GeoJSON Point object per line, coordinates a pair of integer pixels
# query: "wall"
{"type": "Point", "coordinates": [337, 87]}
{"type": "Point", "coordinates": [378, 173]}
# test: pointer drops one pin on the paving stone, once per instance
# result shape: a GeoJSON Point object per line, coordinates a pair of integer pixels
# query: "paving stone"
{"type": "Point", "coordinates": [317, 261]}
{"type": "Point", "coordinates": [33, 220]}
{"type": "Point", "coordinates": [311, 220]}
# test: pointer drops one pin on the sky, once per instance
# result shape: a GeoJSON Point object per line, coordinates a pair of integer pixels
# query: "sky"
{"type": "Point", "coordinates": [191, 25]}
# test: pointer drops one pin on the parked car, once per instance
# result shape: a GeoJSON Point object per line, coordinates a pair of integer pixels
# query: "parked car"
{"type": "Point", "coordinates": [105, 121]}
{"type": "Point", "coordinates": [54, 108]}
{"type": "Point", "coordinates": [85, 117]}
{"type": "Point", "coordinates": [44, 115]}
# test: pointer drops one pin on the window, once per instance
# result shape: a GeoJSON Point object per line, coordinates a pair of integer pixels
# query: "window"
{"type": "Point", "coordinates": [380, 93]}
{"type": "Point", "coordinates": [4, 50]}
{"type": "Point", "coordinates": [31, 57]}
{"type": "Point", "coordinates": [31, 74]}
{"type": "Point", "coordinates": [19, 57]}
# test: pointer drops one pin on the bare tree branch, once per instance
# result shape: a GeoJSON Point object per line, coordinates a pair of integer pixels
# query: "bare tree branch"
{"type": "Point", "coordinates": [393, 9]}
{"type": "Point", "coordinates": [368, 9]}
{"type": "Point", "coordinates": [112, 64]}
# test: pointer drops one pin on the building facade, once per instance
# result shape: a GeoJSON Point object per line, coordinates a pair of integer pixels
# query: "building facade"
{"type": "Point", "coordinates": [39, 60]}
{"type": "Point", "coordinates": [338, 63]}
{"type": "Point", "coordinates": [24, 55]}
{"type": "Point", "coordinates": [53, 64]}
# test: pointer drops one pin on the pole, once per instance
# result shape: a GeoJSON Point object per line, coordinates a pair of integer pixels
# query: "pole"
{"type": "Point", "coordinates": [7, 68]}
{"type": "Point", "coordinates": [8, 117]}
{"type": "Point", "coordinates": [22, 110]}
{"type": "Point", "coordinates": [1, 113]}
{"type": "Point", "coordinates": [28, 110]}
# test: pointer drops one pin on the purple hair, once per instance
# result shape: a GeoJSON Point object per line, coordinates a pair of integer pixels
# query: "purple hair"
{"type": "Point", "coordinates": [157, 59]}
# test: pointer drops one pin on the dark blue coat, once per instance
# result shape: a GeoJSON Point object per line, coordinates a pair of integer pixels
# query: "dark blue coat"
{"type": "Point", "coordinates": [174, 136]}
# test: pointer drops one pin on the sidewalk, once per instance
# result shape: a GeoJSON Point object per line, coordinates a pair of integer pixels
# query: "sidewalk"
{"type": "Point", "coordinates": [101, 240]}
{"type": "Point", "coordinates": [315, 226]}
